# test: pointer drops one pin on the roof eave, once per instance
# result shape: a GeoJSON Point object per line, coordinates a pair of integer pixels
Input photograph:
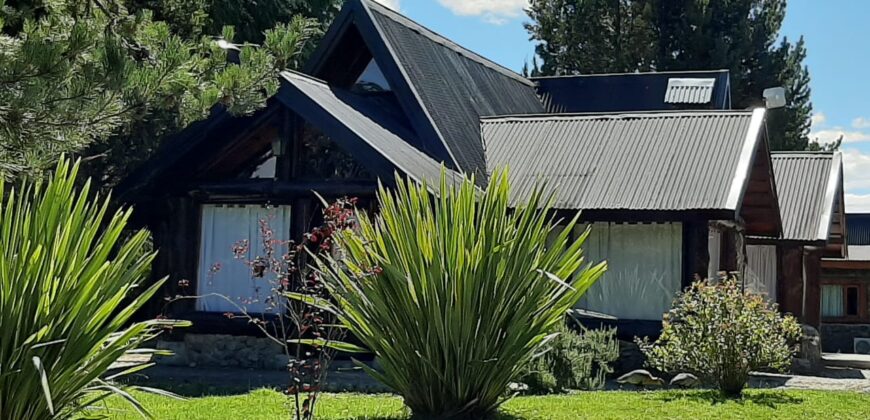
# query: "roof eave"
{"type": "Point", "coordinates": [834, 181]}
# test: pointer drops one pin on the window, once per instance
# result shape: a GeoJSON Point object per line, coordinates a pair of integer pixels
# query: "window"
{"type": "Point", "coordinates": [644, 269]}
{"type": "Point", "coordinates": [231, 238]}
{"type": "Point", "coordinates": [845, 301]}
{"type": "Point", "coordinates": [371, 80]}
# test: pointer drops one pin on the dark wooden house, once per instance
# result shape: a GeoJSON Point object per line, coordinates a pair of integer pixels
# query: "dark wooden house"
{"type": "Point", "coordinates": [671, 194]}
{"type": "Point", "coordinates": [789, 269]}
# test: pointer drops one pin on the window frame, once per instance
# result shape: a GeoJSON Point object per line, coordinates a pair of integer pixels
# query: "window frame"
{"type": "Point", "coordinates": [861, 316]}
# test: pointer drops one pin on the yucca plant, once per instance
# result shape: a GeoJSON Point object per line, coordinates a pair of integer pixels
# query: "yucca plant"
{"type": "Point", "coordinates": [454, 292]}
{"type": "Point", "coordinates": [69, 284]}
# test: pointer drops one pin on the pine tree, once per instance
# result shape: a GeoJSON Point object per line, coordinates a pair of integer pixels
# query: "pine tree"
{"type": "Point", "coordinates": [601, 36]}
{"type": "Point", "coordinates": [74, 73]}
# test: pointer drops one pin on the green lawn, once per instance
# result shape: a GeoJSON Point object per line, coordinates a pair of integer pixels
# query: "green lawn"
{"type": "Point", "coordinates": [767, 404]}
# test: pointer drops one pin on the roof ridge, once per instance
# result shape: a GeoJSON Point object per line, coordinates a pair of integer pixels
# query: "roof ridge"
{"type": "Point", "coordinates": [801, 153]}
{"type": "Point", "coordinates": [639, 73]}
{"type": "Point", "coordinates": [615, 115]}
{"type": "Point", "coordinates": [445, 42]}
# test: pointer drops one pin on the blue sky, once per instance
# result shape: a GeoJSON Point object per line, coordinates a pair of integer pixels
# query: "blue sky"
{"type": "Point", "coordinates": [838, 59]}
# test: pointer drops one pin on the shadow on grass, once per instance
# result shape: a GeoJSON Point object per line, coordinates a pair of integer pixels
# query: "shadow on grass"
{"type": "Point", "coordinates": [771, 399]}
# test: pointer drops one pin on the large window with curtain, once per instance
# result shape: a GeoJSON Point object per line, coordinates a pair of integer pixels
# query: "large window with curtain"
{"type": "Point", "coordinates": [760, 276]}
{"type": "Point", "coordinates": [644, 269]}
{"type": "Point", "coordinates": [231, 238]}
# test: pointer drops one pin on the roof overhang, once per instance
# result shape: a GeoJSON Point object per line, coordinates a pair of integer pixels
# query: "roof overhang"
{"type": "Point", "coordinates": [753, 195]}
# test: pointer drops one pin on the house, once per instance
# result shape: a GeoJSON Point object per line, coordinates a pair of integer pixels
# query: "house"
{"type": "Point", "coordinates": [671, 193]}
{"type": "Point", "coordinates": [788, 269]}
{"type": "Point", "coordinates": [845, 285]}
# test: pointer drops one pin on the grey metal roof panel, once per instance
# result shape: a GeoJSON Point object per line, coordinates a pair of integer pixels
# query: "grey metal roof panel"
{"type": "Point", "coordinates": [455, 86]}
{"type": "Point", "coordinates": [373, 127]}
{"type": "Point", "coordinates": [806, 183]}
{"type": "Point", "coordinates": [672, 161]}
{"type": "Point", "coordinates": [689, 90]}
{"type": "Point", "coordinates": [859, 252]}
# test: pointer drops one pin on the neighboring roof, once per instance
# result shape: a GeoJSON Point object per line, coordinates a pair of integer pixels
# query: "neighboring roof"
{"type": "Point", "coordinates": [454, 86]}
{"type": "Point", "coordinates": [858, 227]}
{"type": "Point", "coordinates": [859, 252]}
{"type": "Point", "coordinates": [807, 184]}
{"type": "Point", "coordinates": [630, 92]}
{"type": "Point", "coordinates": [657, 161]}
{"type": "Point", "coordinates": [343, 115]}
{"type": "Point", "coordinates": [689, 91]}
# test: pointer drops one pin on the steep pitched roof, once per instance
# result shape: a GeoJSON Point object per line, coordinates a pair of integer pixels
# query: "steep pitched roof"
{"type": "Point", "coordinates": [631, 92]}
{"type": "Point", "coordinates": [360, 126]}
{"type": "Point", "coordinates": [808, 185]}
{"type": "Point", "coordinates": [658, 161]}
{"type": "Point", "coordinates": [444, 87]}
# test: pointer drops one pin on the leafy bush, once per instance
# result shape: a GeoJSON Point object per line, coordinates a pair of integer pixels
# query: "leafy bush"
{"type": "Point", "coordinates": [455, 293]}
{"type": "Point", "coordinates": [68, 287]}
{"type": "Point", "coordinates": [721, 333]}
{"type": "Point", "coordinates": [573, 361]}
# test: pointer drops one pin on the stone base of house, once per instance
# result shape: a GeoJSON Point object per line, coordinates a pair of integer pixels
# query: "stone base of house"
{"type": "Point", "coordinates": [808, 361]}
{"type": "Point", "coordinates": [219, 350]}
{"type": "Point", "coordinates": [839, 338]}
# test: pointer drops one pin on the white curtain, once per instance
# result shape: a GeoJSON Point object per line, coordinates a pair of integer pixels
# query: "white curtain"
{"type": "Point", "coordinates": [761, 270]}
{"type": "Point", "coordinates": [832, 300]}
{"type": "Point", "coordinates": [220, 271]}
{"type": "Point", "coordinates": [714, 248]}
{"type": "Point", "coordinates": [644, 269]}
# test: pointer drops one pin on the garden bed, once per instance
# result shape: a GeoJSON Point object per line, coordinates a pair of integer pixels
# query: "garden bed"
{"type": "Point", "coordinates": [266, 404]}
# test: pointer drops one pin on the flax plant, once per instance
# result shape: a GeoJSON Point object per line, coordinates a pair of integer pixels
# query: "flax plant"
{"type": "Point", "coordinates": [454, 292]}
{"type": "Point", "coordinates": [69, 285]}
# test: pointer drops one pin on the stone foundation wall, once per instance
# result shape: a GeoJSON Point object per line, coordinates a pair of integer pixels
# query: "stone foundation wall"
{"type": "Point", "coordinates": [218, 350]}
{"type": "Point", "coordinates": [838, 338]}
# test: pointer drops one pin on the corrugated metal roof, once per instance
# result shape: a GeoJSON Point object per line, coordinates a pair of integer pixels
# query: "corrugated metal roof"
{"type": "Point", "coordinates": [689, 90]}
{"type": "Point", "coordinates": [372, 126]}
{"type": "Point", "coordinates": [626, 92]}
{"type": "Point", "coordinates": [806, 198]}
{"type": "Point", "coordinates": [858, 226]}
{"type": "Point", "coordinates": [644, 161]}
{"type": "Point", "coordinates": [454, 85]}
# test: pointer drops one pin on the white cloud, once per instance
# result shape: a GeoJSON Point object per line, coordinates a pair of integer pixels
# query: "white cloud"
{"type": "Point", "coordinates": [392, 4]}
{"type": "Point", "coordinates": [832, 134]}
{"type": "Point", "coordinates": [497, 12]}
{"type": "Point", "coordinates": [861, 122]}
{"type": "Point", "coordinates": [818, 119]}
{"type": "Point", "coordinates": [856, 170]}
{"type": "Point", "coordinates": [857, 203]}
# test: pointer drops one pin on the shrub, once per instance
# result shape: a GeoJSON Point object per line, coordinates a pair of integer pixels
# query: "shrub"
{"type": "Point", "coordinates": [721, 333]}
{"type": "Point", "coordinates": [68, 287]}
{"type": "Point", "coordinates": [455, 293]}
{"type": "Point", "coordinates": [573, 360]}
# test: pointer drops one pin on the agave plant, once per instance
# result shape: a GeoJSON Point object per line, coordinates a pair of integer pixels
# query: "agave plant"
{"type": "Point", "coordinates": [68, 288]}
{"type": "Point", "coordinates": [454, 293]}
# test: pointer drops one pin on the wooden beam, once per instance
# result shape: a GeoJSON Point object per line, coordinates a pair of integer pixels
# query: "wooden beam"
{"type": "Point", "coordinates": [268, 188]}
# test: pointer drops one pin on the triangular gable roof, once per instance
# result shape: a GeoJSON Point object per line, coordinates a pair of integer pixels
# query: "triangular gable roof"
{"type": "Point", "coordinates": [363, 130]}
{"type": "Point", "coordinates": [443, 87]}
{"type": "Point", "coordinates": [809, 186]}
{"type": "Point", "coordinates": [358, 124]}
{"type": "Point", "coordinates": [677, 162]}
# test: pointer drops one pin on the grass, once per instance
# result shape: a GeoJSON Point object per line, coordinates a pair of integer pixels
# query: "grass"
{"type": "Point", "coordinates": [768, 404]}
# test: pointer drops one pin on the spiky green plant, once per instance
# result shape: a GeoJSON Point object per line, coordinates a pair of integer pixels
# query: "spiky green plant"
{"type": "Point", "coordinates": [68, 287]}
{"type": "Point", "coordinates": [455, 292]}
